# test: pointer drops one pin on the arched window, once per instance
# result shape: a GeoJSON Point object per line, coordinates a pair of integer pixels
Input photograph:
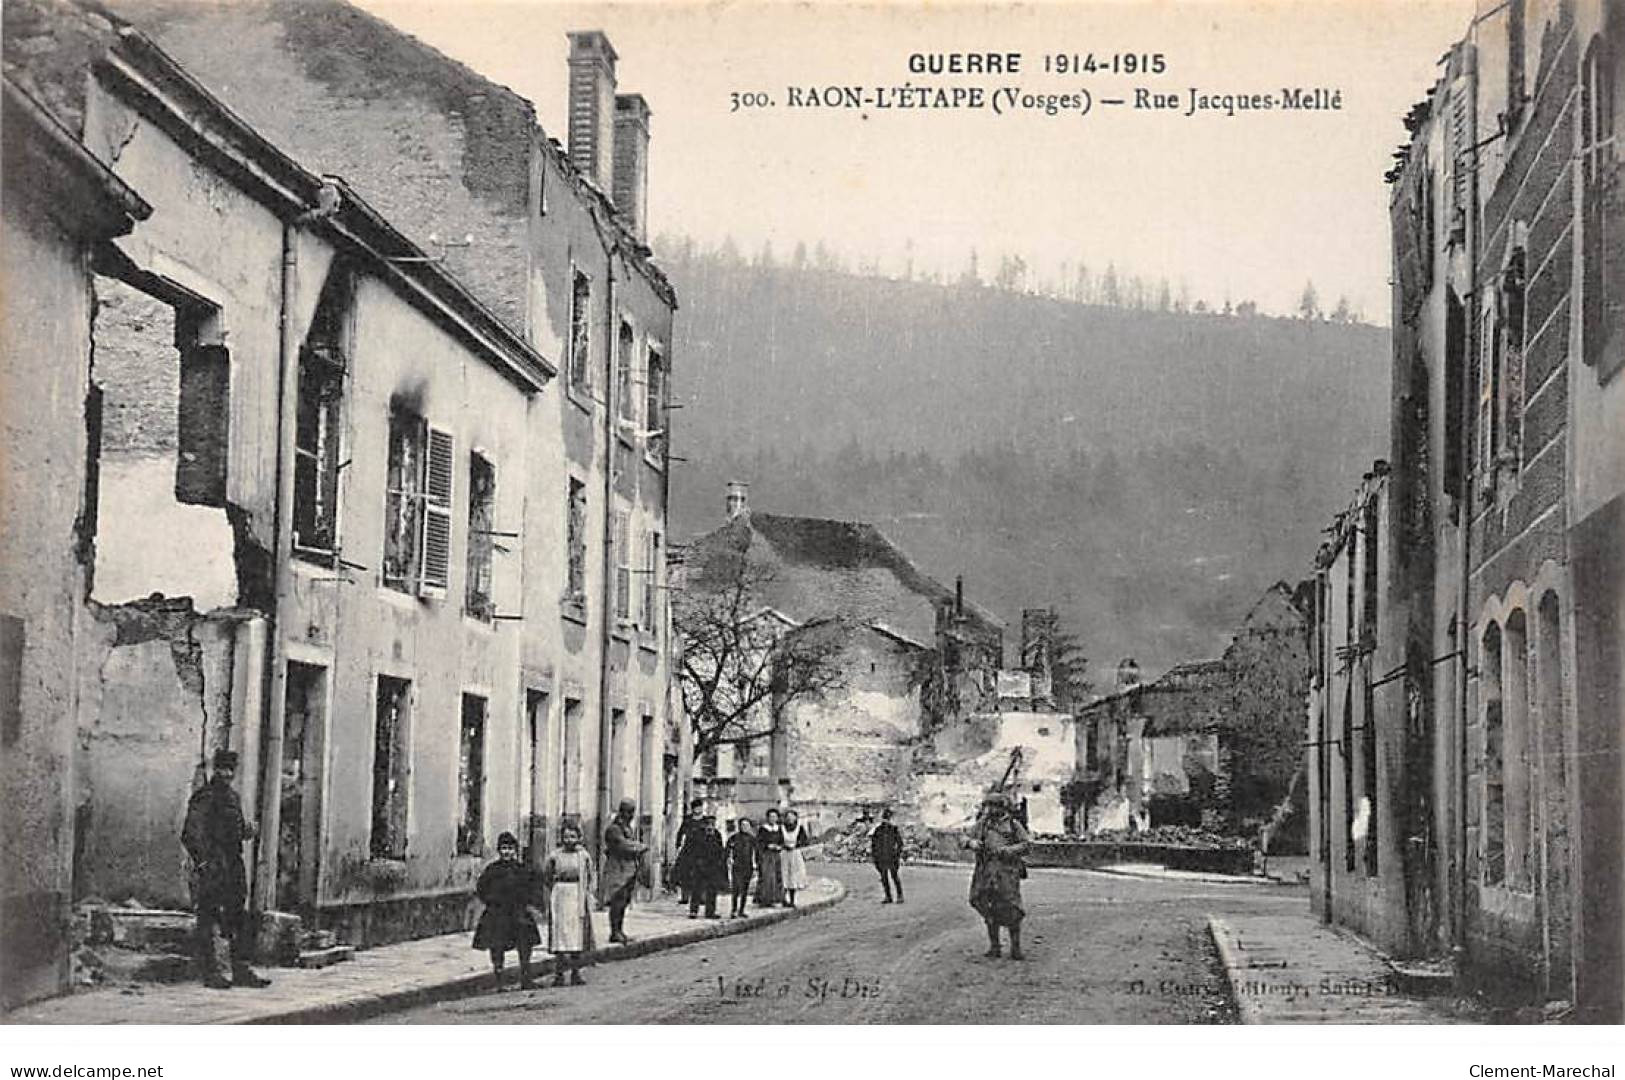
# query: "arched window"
{"type": "Point", "coordinates": [1517, 757]}
{"type": "Point", "coordinates": [1492, 842]}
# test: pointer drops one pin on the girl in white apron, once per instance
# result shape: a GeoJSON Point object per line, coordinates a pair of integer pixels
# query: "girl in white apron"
{"type": "Point", "coordinates": [792, 864]}
{"type": "Point", "coordinates": [567, 879]}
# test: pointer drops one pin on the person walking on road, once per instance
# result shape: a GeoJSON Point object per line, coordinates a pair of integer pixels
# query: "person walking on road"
{"type": "Point", "coordinates": [567, 883]}
{"type": "Point", "coordinates": [741, 852]}
{"type": "Point", "coordinates": [770, 871]}
{"type": "Point", "coordinates": [509, 890]}
{"type": "Point", "coordinates": [691, 822]}
{"type": "Point", "coordinates": [792, 864]}
{"type": "Point", "coordinates": [886, 849]}
{"type": "Point", "coordinates": [1000, 842]}
{"type": "Point", "coordinates": [623, 856]}
{"type": "Point", "coordinates": [213, 836]}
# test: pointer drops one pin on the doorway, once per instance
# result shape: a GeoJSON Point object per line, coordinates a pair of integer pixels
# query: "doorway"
{"type": "Point", "coordinates": [299, 819]}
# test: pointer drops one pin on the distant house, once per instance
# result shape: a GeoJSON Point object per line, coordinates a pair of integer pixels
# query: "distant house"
{"type": "Point", "coordinates": [913, 652]}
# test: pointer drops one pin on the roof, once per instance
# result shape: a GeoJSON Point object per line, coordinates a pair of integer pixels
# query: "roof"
{"type": "Point", "coordinates": [84, 189]}
{"type": "Point", "coordinates": [822, 543]}
{"type": "Point", "coordinates": [167, 94]}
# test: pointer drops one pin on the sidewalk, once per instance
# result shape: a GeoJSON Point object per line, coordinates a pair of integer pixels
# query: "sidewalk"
{"type": "Point", "coordinates": [1290, 969]}
{"type": "Point", "coordinates": [391, 976]}
{"type": "Point", "coordinates": [1154, 872]}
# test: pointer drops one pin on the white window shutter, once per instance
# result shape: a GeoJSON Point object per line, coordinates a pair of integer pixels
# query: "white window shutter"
{"type": "Point", "coordinates": [437, 481]}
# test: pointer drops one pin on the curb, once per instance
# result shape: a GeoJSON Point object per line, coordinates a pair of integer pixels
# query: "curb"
{"type": "Point", "coordinates": [1247, 1010]}
{"type": "Point", "coordinates": [1197, 877]}
{"type": "Point", "coordinates": [367, 1005]}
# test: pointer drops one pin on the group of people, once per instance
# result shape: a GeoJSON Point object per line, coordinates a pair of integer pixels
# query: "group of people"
{"type": "Point", "coordinates": [519, 899]}
{"type": "Point", "coordinates": [769, 854]}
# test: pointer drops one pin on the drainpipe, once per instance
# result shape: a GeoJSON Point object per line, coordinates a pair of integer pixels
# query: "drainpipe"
{"type": "Point", "coordinates": [1467, 405]}
{"type": "Point", "coordinates": [605, 730]}
{"type": "Point", "coordinates": [270, 794]}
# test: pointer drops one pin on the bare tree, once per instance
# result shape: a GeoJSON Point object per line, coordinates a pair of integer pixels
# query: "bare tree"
{"type": "Point", "coordinates": [743, 664]}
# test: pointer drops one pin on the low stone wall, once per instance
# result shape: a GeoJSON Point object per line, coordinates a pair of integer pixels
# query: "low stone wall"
{"type": "Point", "coordinates": [1087, 854]}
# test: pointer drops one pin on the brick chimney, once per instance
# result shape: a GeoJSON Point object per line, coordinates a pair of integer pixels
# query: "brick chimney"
{"type": "Point", "coordinates": [631, 194]}
{"type": "Point", "coordinates": [592, 105]}
{"type": "Point", "coordinates": [738, 499]}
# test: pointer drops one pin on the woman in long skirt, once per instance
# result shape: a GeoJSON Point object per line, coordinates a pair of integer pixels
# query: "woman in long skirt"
{"type": "Point", "coordinates": [793, 864]}
{"type": "Point", "coordinates": [567, 877]}
{"type": "Point", "coordinates": [769, 845]}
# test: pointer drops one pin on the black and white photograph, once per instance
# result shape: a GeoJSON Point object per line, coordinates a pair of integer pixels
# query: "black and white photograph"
{"type": "Point", "coordinates": [1085, 514]}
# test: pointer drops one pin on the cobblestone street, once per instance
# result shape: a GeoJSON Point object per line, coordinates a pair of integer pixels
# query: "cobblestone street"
{"type": "Point", "coordinates": [1100, 949]}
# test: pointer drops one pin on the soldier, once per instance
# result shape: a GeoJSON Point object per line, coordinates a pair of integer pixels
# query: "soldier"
{"type": "Point", "coordinates": [213, 836]}
{"type": "Point", "coordinates": [623, 854]}
{"type": "Point", "coordinates": [1000, 841]}
{"type": "Point", "coordinates": [886, 849]}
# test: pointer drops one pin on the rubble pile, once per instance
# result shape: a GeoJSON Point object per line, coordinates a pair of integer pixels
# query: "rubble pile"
{"type": "Point", "coordinates": [852, 843]}
{"type": "Point", "coordinates": [1177, 835]}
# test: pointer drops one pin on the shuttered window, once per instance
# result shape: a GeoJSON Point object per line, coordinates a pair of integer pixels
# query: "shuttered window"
{"type": "Point", "coordinates": [623, 567]}
{"type": "Point", "coordinates": [437, 484]}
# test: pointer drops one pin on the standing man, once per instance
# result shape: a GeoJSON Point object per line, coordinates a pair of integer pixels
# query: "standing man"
{"type": "Point", "coordinates": [691, 822]}
{"type": "Point", "coordinates": [886, 848]}
{"type": "Point", "coordinates": [1000, 842]}
{"type": "Point", "coordinates": [622, 856]}
{"type": "Point", "coordinates": [213, 836]}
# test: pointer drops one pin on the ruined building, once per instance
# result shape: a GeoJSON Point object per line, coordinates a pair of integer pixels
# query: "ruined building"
{"type": "Point", "coordinates": [912, 651]}
{"type": "Point", "coordinates": [1466, 713]}
{"type": "Point", "coordinates": [1210, 743]}
{"type": "Point", "coordinates": [350, 461]}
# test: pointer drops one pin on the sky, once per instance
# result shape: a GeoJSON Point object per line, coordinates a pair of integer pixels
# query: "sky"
{"type": "Point", "coordinates": [1246, 206]}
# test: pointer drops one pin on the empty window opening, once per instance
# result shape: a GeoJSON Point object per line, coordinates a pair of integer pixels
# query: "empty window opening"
{"type": "Point", "coordinates": [580, 320]}
{"type": "Point", "coordinates": [1493, 845]}
{"type": "Point", "coordinates": [570, 758]}
{"type": "Point", "coordinates": [390, 767]}
{"type": "Point", "coordinates": [536, 714]}
{"type": "Point", "coordinates": [471, 777]}
{"type": "Point", "coordinates": [1602, 142]}
{"type": "Point", "coordinates": [163, 387]}
{"type": "Point", "coordinates": [1518, 752]}
{"type": "Point", "coordinates": [625, 401]}
{"type": "Point", "coordinates": [298, 835]}
{"type": "Point", "coordinates": [654, 412]}
{"type": "Point", "coordinates": [618, 764]}
{"type": "Point", "coordinates": [576, 542]}
{"type": "Point", "coordinates": [482, 493]}
{"type": "Point", "coordinates": [318, 425]}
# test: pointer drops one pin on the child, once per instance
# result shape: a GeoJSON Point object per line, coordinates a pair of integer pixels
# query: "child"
{"type": "Point", "coordinates": [567, 877]}
{"type": "Point", "coordinates": [508, 888]}
{"type": "Point", "coordinates": [741, 852]}
{"type": "Point", "coordinates": [708, 871]}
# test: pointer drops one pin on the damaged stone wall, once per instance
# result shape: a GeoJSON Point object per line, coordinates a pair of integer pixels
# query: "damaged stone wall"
{"type": "Point", "coordinates": [970, 756]}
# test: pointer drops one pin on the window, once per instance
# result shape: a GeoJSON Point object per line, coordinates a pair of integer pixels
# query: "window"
{"type": "Point", "coordinates": [580, 316]}
{"type": "Point", "coordinates": [576, 540]}
{"type": "Point", "coordinates": [651, 581]}
{"type": "Point", "coordinates": [1514, 286]}
{"type": "Point", "coordinates": [1368, 712]}
{"type": "Point", "coordinates": [322, 367]}
{"type": "Point", "coordinates": [654, 412]}
{"type": "Point", "coordinates": [202, 425]}
{"type": "Point", "coordinates": [623, 569]}
{"type": "Point", "coordinates": [1515, 62]}
{"type": "Point", "coordinates": [1493, 842]}
{"type": "Point", "coordinates": [1603, 248]}
{"type": "Point", "coordinates": [625, 401]}
{"type": "Point", "coordinates": [417, 538]}
{"type": "Point", "coordinates": [482, 487]}
{"type": "Point", "coordinates": [1517, 753]}
{"type": "Point", "coordinates": [390, 768]}
{"type": "Point", "coordinates": [316, 451]}
{"type": "Point", "coordinates": [471, 777]}
{"type": "Point", "coordinates": [570, 757]}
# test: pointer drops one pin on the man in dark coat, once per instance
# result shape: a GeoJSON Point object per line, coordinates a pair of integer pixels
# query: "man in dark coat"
{"type": "Point", "coordinates": [1000, 842]}
{"type": "Point", "coordinates": [705, 868]}
{"type": "Point", "coordinates": [886, 848]}
{"type": "Point", "coordinates": [691, 822]}
{"type": "Point", "coordinates": [623, 854]}
{"type": "Point", "coordinates": [213, 836]}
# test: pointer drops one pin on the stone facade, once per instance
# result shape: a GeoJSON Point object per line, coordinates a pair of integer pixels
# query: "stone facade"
{"type": "Point", "coordinates": [425, 596]}
{"type": "Point", "coordinates": [1491, 665]}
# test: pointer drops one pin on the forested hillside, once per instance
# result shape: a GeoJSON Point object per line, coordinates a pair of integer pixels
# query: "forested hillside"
{"type": "Point", "coordinates": [1149, 472]}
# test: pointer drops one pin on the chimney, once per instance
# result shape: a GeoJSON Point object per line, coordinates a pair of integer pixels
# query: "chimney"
{"type": "Point", "coordinates": [738, 499]}
{"type": "Point", "coordinates": [631, 194]}
{"type": "Point", "coordinates": [592, 105]}
{"type": "Point", "coordinates": [959, 596]}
